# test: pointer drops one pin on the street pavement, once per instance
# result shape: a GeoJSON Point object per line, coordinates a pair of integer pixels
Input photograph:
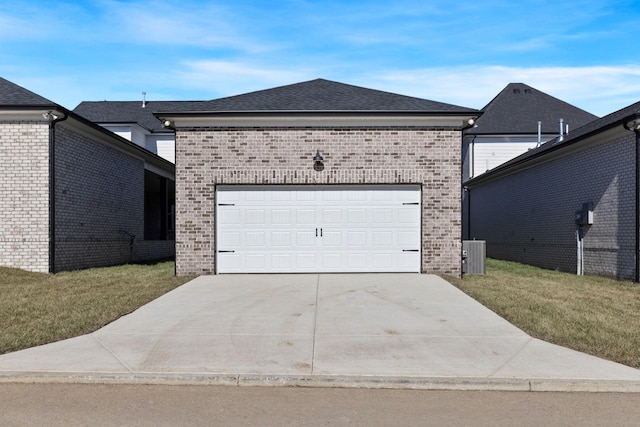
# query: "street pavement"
{"type": "Point", "coordinates": [329, 330]}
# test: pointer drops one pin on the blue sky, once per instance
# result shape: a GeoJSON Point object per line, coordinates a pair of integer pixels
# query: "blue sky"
{"type": "Point", "coordinates": [460, 52]}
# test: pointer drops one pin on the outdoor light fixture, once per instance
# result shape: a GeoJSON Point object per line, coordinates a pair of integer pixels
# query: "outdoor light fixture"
{"type": "Point", "coordinates": [318, 161]}
{"type": "Point", "coordinates": [49, 116]}
{"type": "Point", "coordinates": [633, 125]}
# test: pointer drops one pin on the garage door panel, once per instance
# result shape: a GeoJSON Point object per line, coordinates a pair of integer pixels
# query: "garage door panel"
{"type": "Point", "coordinates": [281, 239]}
{"type": "Point", "coordinates": [230, 239]}
{"type": "Point", "coordinates": [306, 239]}
{"type": "Point", "coordinates": [255, 216]}
{"type": "Point", "coordinates": [356, 238]}
{"type": "Point", "coordinates": [332, 260]}
{"type": "Point", "coordinates": [256, 238]}
{"type": "Point", "coordinates": [356, 216]}
{"type": "Point", "coordinates": [332, 239]}
{"type": "Point", "coordinates": [306, 260]}
{"type": "Point", "coordinates": [281, 216]}
{"type": "Point", "coordinates": [306, 217]}
{"type": "Point", "coordinates": [316, 229]}
{"type": "Point", "coordinates": [408, 239]}
{"type": "Point", "coordinates": [229, 216]}
{"type": "Point", "coordinates": [382, 238]}
{"type": "Point", "coordinates": [382, 216]}
{"type": "Point", "coordinates": [331, 216]}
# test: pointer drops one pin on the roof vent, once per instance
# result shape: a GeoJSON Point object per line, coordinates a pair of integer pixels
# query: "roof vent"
{"type": "Point", "coordinates": [144, 99]}
{"type": "Point", "coordinates": [527, 91]}
{"type": "Point", "coordinates": [516, 91]}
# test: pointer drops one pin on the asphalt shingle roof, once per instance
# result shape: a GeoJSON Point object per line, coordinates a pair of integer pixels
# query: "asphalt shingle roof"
{"type": "Point", "coordinates": [313, 96]}
{"type": "Point", "coordinates": [326, 95]}
{"type": "Point", "coordinates": [609, 121]}
{"type": "Point", "coordinates": [13, 95]}
{"type": "Point", "coordinates": [518, 108]}
{"type": "Point", "coordinates": [128, 111]}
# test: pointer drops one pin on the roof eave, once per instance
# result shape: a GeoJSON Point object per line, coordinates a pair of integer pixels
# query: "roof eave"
{"type": "Point", "coordinates": [325, 118]}
{"type": "Point", "coordinates": [547, 148]}
{"type": "Point", "coordinates": [461, 113]}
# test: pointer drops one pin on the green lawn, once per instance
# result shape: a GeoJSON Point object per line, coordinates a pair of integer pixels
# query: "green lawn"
{"type": "Point", "coordinates": [594, 315]}
{"type": "Point", "coordinates": [37, 308]}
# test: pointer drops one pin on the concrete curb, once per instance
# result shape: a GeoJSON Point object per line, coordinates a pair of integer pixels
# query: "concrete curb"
{"type": "Point", "coordinates": [327, 381]}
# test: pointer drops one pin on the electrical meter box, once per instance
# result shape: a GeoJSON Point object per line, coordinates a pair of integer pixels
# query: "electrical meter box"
{"type": "Point", "coordinates": [585, 215]}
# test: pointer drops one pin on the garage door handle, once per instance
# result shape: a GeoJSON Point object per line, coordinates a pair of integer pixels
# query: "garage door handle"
{"type": "Point", "coordinates": [411, 250]}
{"type": "Point", "coordinates": [226, 204]}
{"type": "Point", "coordinates": [226, 252]}
{"type": "Point", "coordinates": [317, 232]}
{"type": "Point", "coordinates": [410, 203]}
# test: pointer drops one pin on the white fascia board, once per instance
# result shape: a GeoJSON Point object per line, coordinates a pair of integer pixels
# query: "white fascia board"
{"type": "Point", "coordinates": [30, 115]}
{"type": "Point", "coordinates": [379, 120]}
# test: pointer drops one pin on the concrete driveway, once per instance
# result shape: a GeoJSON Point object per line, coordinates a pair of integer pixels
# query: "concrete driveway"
{"type": "Point", "coordinates": [343, 330]}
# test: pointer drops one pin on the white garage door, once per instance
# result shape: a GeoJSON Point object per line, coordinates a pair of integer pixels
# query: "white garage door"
{"type": "Point", "coordinates": [295, 229]}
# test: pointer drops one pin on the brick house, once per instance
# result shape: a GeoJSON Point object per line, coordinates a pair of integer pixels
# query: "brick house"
{"type": "Point", "coordinates": [318, 176]}
{"type": "Point", "coordinates": [75, 195]}
{"type": "Point", "coordinates": [570, 204]}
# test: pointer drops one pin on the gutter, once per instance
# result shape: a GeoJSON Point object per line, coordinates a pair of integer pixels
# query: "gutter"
{"type": "Point", "coordinates": [53, 120]}
{"type": "Point", "coordinates": [633, 124]}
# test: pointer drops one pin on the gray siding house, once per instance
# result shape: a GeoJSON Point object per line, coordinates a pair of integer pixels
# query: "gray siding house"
{"type": "Point", "coordinates": [134, 120]}
{"type": "Point", "coordinates": [75, 195]}
{"type": "Point", "coordinates": [318, 176]}
{"type": "Point", "coordinates": [570, 204]}
{"type": "Point", "coordinates": [518, 119]}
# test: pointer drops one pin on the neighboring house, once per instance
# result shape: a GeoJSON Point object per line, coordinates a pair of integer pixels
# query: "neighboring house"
{"type": "Point", "coordinates": [518, 119]}
{"type": "Point", "coordinates": [134, 120]}
{"type": "Point", "coordinates": [571, 204]}
{"type": "Point", "coordinates": [318, 176]}
{"type": "Point", "coordinates": [75, 195]}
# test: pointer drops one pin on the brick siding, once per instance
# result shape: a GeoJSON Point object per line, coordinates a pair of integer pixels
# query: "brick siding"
{"type": "Point", "coordinates": [206, 157]}
{"type": "Point", "coordinates": [24, 195]}
{"type": "Point", "coordinates": [99, 203]}
{"type": "Point", "coordinates": [529, 216]}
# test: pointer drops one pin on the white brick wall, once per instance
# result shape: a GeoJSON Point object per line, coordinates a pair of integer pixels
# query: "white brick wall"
{"type": "Point", "coordinates": [428, 156]}
{"type": "Point", "coordinates": [24, 196]}
{"type": "Point", "coordinates": [99, 191]}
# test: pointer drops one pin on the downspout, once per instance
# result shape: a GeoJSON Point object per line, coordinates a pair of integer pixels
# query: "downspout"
{"type": "Point", "coordinates": [637, 239]}
{"type": "Point", "coordinates": [53, 120]}
{"type": "Point", "coordinates": [470, 123]}
{"type": "Point", "coordinates": [633, 124]}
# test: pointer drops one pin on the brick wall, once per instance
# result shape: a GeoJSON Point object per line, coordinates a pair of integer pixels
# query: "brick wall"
{"type": "Point", "coordinates": [529, 216]}
{"type": "Point", "coordinates": [206, 157]}
{"type": "Point", "coordinates": [99, 203]}
{"type": "Point", "coordinates": [24, 195]}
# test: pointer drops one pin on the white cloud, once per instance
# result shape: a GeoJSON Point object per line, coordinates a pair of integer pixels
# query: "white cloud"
{"type": "Point", "coordinates": [225, 78]}
{"type": "Point", "coordinates": [597, 89]}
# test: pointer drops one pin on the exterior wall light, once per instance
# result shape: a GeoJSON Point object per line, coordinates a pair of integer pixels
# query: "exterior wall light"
{"type": "Point", "coordinates": [318, 161]}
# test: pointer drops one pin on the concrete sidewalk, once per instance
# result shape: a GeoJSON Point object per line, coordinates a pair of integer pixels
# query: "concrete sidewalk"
{"type": "Point", "coordinates": [338, 330]}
